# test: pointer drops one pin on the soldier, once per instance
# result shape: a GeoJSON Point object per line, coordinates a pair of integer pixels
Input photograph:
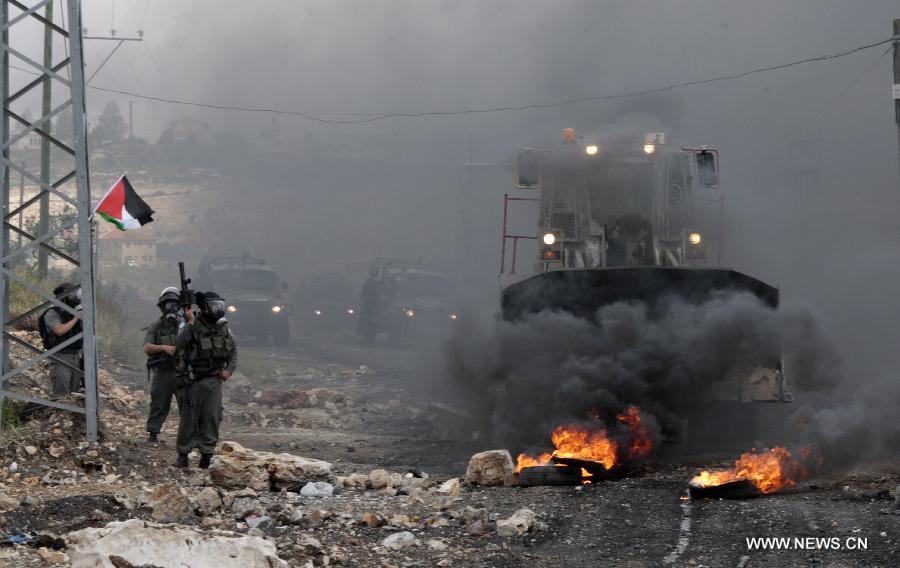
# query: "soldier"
{"type": "Point", "coordinates": [58, 326]}
{"type": "Point", "coordinates": [208, 351]}
{"type": "Point", "coordinates": [159, 345]}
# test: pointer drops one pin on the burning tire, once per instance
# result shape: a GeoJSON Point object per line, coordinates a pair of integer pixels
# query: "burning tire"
{"type": "Point", "coordinates": [549, 475]}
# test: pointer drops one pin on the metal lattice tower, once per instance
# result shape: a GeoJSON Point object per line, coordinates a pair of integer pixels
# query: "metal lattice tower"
{"type": "Point", "coordinates": [71, 188]}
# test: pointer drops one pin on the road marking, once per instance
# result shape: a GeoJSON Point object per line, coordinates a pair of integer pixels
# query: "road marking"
{"type": "Point", "coordinates": [684, 533]}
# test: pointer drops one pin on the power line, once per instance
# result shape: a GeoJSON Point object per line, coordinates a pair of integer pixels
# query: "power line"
{"type": "Point", "coordinates": [144, 17]}
{"type": "Point", "coordinates": [373, 117]}
{"type": "Point", "coordinates": [855, 81]}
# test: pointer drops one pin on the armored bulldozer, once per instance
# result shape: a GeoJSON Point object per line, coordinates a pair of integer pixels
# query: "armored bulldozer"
{"type": "Point", "coordinates": [256, 307]}
{"type": "Point", "coordinates": [636, 222]}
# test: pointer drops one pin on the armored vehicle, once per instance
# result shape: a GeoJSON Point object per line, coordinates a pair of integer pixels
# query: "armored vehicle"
{"type": "Point", "coordinates": [402, 300]}
{"type": "Point", "coordinates": [254, 293]}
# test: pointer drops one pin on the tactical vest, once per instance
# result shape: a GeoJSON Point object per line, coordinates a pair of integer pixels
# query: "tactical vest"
{"type": "Point", "coordinates": [163, 334]}
{"type": "Point", "coordinates": [210, 349]}
{"type": "Point", "coordinates": [55, 340]}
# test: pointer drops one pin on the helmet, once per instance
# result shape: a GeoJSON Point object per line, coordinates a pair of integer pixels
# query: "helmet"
{"type": "Point", "coordinates": [212, 303]}
{"type": "Point", "coordinates": [170, 293]}
{"type": "Point", "coordinates": [69, 293]}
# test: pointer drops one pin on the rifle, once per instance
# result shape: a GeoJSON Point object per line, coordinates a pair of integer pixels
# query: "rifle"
{"type": "Point", "coordinates": [187, 295]}
{"type": "Point", "coordinates": [184, 372]}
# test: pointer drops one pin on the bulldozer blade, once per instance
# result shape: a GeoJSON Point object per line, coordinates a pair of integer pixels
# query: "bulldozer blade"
{"type": "Point", "coordinates": [582, 292]}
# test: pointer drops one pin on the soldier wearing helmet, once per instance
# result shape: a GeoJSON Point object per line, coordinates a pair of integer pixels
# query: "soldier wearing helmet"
{"type": "Point", "coordinates": [59, 326]}
{"type": "Point", "coordinates": [207, 348]}
{"type": "Point", "coordinates": [159, 345]}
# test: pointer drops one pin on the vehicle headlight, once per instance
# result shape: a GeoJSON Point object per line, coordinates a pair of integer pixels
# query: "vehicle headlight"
{"type": "Point", "coordinates": [410, 312]}
{"type": "Point", "coordinates": [454, 317]}
{"type": "Point", "coordinates": [231, 309]}
{"type": "Point", "coordinates": [317, 312]}
{"type": "Point", "coordinates": [276, 309]}
{"type": "Point", "coordinates": [591, 149]}
{"type": "Point", "coordinates": [649, 148]}
{"type": "Point", "coordinates": [549, 239]}
{"type": "Point", "coordinates": [350, 311]}
{"type": "Point", "coordinates": [695, 238]}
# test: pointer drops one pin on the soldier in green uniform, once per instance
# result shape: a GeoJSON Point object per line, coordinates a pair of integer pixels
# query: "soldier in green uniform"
{"type": "Point", "coordinates": [207, 349]}
{"type": "Point", "coordinates": [159, 345]}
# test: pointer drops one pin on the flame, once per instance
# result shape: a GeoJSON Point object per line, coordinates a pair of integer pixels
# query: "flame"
{"type": "Point", "coordinates": [769, 471]}
{"type": "Point", "coordinates": [524, 460]}
{"type": "Point", "coordinates": [578, 442]}
{"type": "Point", "coordinates": [640, 437]}
{"type": "Point", "coordinates": [592, 443]}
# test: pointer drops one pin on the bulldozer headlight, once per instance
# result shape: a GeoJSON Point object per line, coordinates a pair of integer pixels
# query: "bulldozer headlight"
{"type": "Point", "coordinates": [231, 309]}
{"type": "Point", "coordinates": [317, 312]}
{"type": "Point", "coordinates": [649, 148]}
{"type": "Point", "coordinates": [276, 309]}
{"type": "Point", "coordinates": [350, 311]}
{"type": "Point", "coordinates": [454, 317]}
{"type": "Point", "coordinates": [549, 239]}
{"type": "Point", "coordinates": [695, 238]}
{"type": "Point", "coordinates": [591, 149]}
{"type": "Point", "coordinates": [410, 313]}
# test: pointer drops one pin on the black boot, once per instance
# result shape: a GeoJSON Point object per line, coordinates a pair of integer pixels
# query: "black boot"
{"type": "Point", "coordinates": [153, 438]}
{"type": "Point", "coordinates": [204, 460]}
{"type": "Point", "coordinates": [182, 461]}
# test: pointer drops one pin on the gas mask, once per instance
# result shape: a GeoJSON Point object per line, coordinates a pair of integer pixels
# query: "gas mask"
{"type": "Point", "coordinates": [170, 309]}
{"type": "Point", "coordinates": [73, 298]}
{"type": "Point", "coordinates": [215, 310]}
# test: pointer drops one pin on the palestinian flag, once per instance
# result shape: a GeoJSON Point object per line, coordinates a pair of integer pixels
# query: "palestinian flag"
{"type": "Point", "coordinates": [122, 207]}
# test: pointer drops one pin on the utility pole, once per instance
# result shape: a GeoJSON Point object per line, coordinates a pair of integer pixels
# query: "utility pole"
{"type": "Point", "coordinates": [897, 81]}
{"type": "Point", "coordinates": [44, 214]}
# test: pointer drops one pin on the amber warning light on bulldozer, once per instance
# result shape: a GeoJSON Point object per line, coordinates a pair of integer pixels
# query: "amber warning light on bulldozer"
{"type": "Point", "coordinates": [550, 255]}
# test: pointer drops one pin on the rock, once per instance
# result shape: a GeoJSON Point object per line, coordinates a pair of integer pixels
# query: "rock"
{"type": "Point", "coordinates": [207, 501]}
{"type": "Point", "coordinates": [897, 495]}
{"type": "Point", "coordinates": [518, 524]}
{"type": "Point", "coordinates": [449, 488]}
{"type": "Point", "coordinates": [56, 450]}
{"type": "Point", "coordinates": [400, 540]}
{"type": "Point", "coordinates": [238, 467]}
{"type": "Point", "coordinates": [53, 556]}
{"type": "Point", "coordinates": [356, 480]}
{"type": "Point", "coordinates": [31, 450]}
{"type": "Point", "coordinates": [7, 502]}
{"type": "Point", "coordinates": [493, 467]}
{"type": "Point", "coordinates": [245, 506]}
{"type": "Point", "coordinates": [372, 519]}
{"type": "Point", "coordinates": [170, 504]}
{"type": "Point", "coordinates": [475, 528]}
{"type": "Point", "coordinates": [143, 543]}
{"type": "Point", "coordinates": [435, 544]}
{"type": "Point", "coordinates": [211, 522]}
{"type": "Point", "coordinates": [317, 489]}
{"type": "Point", "coordinates": [379, 479]}
{"type": "Point", "coordinates": [445, 562]}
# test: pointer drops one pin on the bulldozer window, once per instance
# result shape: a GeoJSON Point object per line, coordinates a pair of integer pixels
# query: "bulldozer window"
{"type": "Point", "coordinates": [707, 168]}
{"type": "Point", "coordinates": [528, 169]}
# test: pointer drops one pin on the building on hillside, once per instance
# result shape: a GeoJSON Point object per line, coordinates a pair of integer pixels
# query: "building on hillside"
{"type": "Point", "coordinates": [31, 141]}
{"type": "Point", "coordinates": [127, 248]}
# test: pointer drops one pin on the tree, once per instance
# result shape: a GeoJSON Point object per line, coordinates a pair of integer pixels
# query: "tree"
{"type": "Point", "coordinates": [110, 126]}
